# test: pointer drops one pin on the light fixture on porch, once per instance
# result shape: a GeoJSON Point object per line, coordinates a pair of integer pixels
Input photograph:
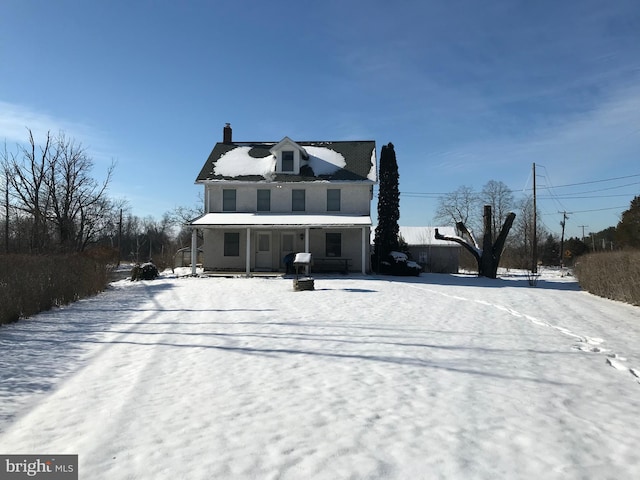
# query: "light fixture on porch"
{"type": "Point", "coordinates": [302, 236]}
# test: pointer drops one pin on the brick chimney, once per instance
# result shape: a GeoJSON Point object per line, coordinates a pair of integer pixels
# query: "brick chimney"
{"type": "Point", "coordinates": [226, 134]}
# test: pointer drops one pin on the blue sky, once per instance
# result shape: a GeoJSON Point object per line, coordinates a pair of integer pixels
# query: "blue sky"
{"type": "Point", "coordinates": [467, 91]}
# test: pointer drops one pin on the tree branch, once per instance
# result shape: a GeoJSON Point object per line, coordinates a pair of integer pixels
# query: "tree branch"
{"type": "Point", "coordinates": [502, 238]}
{"type": "Point", "coordinates": [461, 241]}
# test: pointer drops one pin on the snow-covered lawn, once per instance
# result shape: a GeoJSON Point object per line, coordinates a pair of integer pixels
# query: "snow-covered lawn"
{"type": "Point", "coordinates": [439, 376]}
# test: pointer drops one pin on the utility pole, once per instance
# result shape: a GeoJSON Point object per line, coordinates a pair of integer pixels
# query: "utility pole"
{"type": "Point", "coordinates": [120, 238]}
{"type": "Point", "coordinates": [534, 249]}
{"type": "Point", "coordinates": [583, 227]}
{"type": "Point", "coordinates": [563, 222]}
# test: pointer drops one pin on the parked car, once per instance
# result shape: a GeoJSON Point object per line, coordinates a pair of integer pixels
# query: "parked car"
{"type": "Point", "coordinates": [398, 263]}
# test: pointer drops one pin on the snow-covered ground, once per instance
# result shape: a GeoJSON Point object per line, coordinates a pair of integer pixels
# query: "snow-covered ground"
{"type": "Point", "coordinates": [440, 376]}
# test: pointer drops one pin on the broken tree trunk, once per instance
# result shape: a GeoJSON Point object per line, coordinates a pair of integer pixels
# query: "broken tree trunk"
{"type": "Point", "coordinates": [488, 257]}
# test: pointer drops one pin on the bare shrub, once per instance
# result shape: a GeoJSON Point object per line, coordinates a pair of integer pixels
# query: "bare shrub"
{"type": "Point", "coordinates": [614, 275]}
{"type": "Point", "coordinates": [30, 284]}
{"type": "Point", "coordinates": [532, 278]}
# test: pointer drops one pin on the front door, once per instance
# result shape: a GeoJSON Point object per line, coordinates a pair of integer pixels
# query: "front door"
{"type": "Point", "coordinates": [263, 252]}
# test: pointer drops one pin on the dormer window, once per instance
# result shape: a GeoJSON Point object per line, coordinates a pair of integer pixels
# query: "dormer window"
{"type": "Point", "coordinates": [287, 161]}
{"type": "Point", "coordinates": [289, 156]}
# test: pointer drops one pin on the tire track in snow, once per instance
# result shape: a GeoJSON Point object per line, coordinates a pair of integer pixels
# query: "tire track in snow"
{"type": "Point", "coordinates": [584, 343]}
{"type": "Point", "coordinates": [125, 375]}
{"type": "Point", "coordinates": [51, 348]}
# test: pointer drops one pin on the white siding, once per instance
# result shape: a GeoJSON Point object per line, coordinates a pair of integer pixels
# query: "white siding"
{"type": "Point", "coordinates": [355, 199]}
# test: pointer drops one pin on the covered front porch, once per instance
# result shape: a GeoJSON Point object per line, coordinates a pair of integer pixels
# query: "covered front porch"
{"type": "Point", "coordinates": [258, 243]}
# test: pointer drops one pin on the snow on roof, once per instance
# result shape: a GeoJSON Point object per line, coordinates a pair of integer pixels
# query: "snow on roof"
{"type": "Point", "coordinates": [324, 161]}
{"type": "Point", "coordinates": [271, 219]}
{"type": "Point", "coordinates": [427, 235]}
{"type": "Point", "coordinates": [372, 173]}
{"type": "Point", "coordinates": [238, 162]}
{"type": "Point", "coordinates": [424, 236]}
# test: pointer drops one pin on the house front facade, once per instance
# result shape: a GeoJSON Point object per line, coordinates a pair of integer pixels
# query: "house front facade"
{"type": "Point", "coordinates": [266, 200]}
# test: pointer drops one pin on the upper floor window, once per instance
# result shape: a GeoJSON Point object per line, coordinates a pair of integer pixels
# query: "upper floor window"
{"type": "Point", "coordinates": [264, 200]}
{"type": "Point", "coordinates": [298, 201]}
{"type": "Point", "coordinates": [228, 200]}
{"type": "Point", "coordinates": [287, 161]}
{"type": "Point", "coordinates": [333, 200]}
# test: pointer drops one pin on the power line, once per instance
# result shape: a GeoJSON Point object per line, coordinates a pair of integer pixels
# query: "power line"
{"type": "Point", "coordinates": [571, 197]}
{"type": "Point", "coordinates": [598, 181]}
{"type": "Point", "coordinates": [553, 195]}
{"type": "Point", "coordinates": [601, 209]}
{"type": "Point", "coordinates": [600, 189]}
{"type": "Point", "coordinates": [587, 211]}
{"type": "Point", "coordinates": [440, 194]}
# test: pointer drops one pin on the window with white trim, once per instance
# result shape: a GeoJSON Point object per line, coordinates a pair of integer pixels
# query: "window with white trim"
{"type": "Point", "coordinates": [264, 200]}
{"type": "Point", "coordinates": [333, 244]}
{"type": "Point", "coordinates": [287, 160]}
{"type": "Point", "coordinates": [298, 203]}
{"type": "Point", "coordinates": [228, 200]}
{"type": "Point", "coordinates": [333, 200]}
{"type": "Point", "coordinates": [231, 244]}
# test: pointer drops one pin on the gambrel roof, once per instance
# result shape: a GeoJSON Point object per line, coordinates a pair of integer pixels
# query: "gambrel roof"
{"type": "Point", "coordinates": [351, 161]}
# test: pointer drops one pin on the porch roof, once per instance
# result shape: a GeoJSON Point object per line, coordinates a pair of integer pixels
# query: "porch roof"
{"type": "Point", "coordinates": [280, 220]}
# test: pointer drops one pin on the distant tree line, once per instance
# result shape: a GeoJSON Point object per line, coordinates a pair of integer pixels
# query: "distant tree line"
{"type": "Point", "coordinates": [465, 205]}
{"type": "Point", "coordinates": [147, 239]}
{"type": "Point", "coordinates": [51, 203]}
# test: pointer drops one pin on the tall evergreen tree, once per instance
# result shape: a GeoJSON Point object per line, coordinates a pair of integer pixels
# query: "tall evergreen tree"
{"type": "Point", "coordinates": [628, 230]}
{"type": "Point", "coordinates": [574, 247]}
{"type": "Point", "coordinates": [386, 237]}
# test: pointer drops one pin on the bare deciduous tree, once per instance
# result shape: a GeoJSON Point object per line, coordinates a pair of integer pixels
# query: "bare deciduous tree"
{"type": "Point", "coordinates": [500, 198]}
{"type": "Point", "coordinates": [457, 206]}
{"type": "Point", "coordinates": [181, 217]}
{"type": "Point", "coordinates": [488, 257]}
{"type": "Point", "coordinates": [6, 206]}
{"type": "Point", "coordinates": [27, 173]}
{"type": "Point", "coordinates": [78, 201]}
{"type": "Point", "coordinates": [523, 240]}
{"type": "Point", "coordinates": [52, 184]}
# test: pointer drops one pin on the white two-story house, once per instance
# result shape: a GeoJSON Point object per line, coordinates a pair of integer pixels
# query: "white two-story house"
{"type": "Point", "coordinates": [264, 200]}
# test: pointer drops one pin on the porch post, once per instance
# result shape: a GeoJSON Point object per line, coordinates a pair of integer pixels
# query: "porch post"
{"type": "Point", "coordinates": [194, 250]}
{"type": "Point", "coordinates": [306, 249]}
{"type": "Point", "coordinates": [248, 267]}
{"type": "Point", "coordinates": [364, 250]}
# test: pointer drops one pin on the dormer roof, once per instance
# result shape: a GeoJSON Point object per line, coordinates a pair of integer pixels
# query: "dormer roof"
{"type": "Point", "coordinates": [287, 144]}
